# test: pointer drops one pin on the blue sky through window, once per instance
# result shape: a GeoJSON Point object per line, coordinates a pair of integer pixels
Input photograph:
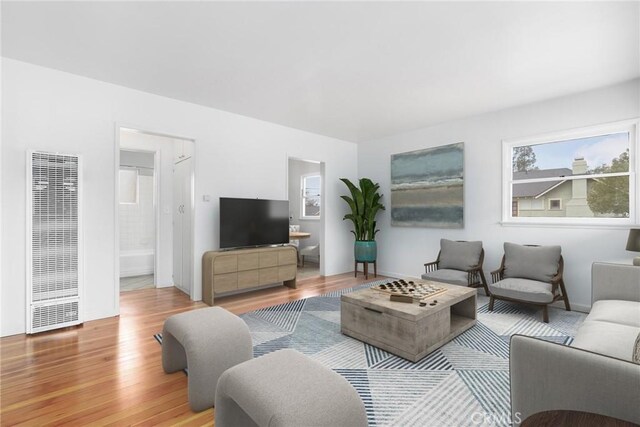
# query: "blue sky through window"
{"type": "Point", "coordinates": [596, 150]}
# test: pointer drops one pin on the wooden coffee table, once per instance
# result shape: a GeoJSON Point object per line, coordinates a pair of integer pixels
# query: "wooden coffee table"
{"type": "Point", "coordinates": [406, 329]}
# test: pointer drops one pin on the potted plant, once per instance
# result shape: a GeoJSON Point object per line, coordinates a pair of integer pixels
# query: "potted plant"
{"type": "Point", "coordinates": [365, 204]}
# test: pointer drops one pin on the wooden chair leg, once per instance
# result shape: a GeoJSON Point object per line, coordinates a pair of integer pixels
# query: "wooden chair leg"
{"type": "Point", "coordinates": [491, 300]}
{"type": "Point", "coordinates": [565, 297]}
{"type": "Point", "coordinates": [545, 314]}
{"type": "Point", "coordinates": [484, 283]}
{"type": "Point", "coordinates": [375, 269]}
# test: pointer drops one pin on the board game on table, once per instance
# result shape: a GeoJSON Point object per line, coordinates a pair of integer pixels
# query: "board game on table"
{"type": "Point", "coordinates": [417, 290]}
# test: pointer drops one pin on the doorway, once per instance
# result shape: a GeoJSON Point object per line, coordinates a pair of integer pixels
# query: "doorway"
{"type": "Point", "coordinates": [136, 214]}
{"type": "Point", "coordinates": [306, 214]}
{"type": "Point", "coordinates": [155, 181]}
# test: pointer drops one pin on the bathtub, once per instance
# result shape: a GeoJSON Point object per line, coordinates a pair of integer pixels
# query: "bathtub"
{"type": "Point", "coordinates": [136, 262]}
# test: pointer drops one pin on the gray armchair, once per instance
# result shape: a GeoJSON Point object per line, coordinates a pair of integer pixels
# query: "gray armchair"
{"type": "Point", "coordinates": [458, 263]}
{"type": "Point", "coordinates": [530, 274]}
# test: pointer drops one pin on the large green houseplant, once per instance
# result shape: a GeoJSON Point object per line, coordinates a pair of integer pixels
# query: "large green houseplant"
{"type": "Point", "coordinates": [365, 205]}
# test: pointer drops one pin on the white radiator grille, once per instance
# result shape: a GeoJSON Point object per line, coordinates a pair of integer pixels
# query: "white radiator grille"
{"type": "Point", "coordinates": [58, 314]}
{"type": "Point", "coordinates": [54, 241]}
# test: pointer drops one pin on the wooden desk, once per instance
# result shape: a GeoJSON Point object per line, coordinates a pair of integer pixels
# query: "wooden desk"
{"type": "Point", "coordinates": [297, 235]}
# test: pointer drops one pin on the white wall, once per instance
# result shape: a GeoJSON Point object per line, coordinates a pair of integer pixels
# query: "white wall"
{"type": "Point", "coordinates": [403, 251]}
{"type": "Point", "coordinates": [297, 168]}
{"type": "Point", "coordinates": [235, 156]}
{"type": "Point", "coordinates": [137, 220]}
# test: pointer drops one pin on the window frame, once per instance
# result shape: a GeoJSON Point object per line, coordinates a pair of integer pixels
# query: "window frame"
{"type": "Point", "coordinates": [630, 126]}
{"type": "Point", "coordinates": [303, 198]}
{"type": "Point", "coordinates": [555, 199]}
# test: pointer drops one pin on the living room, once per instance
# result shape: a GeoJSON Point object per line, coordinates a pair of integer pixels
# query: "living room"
{"type": "Point", "coordinates": [253, 85]}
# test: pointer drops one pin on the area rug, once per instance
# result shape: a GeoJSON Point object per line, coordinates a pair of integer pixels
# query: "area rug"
{"type": "Point", "coordinates": [464, 383]}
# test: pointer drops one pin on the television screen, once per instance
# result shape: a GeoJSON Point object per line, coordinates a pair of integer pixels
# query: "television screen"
{"type": "Point", "coordinates": [253, 222]}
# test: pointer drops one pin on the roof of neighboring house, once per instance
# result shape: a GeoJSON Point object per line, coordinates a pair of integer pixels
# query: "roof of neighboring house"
{"type": "Point", "coordinates": [534, 189]}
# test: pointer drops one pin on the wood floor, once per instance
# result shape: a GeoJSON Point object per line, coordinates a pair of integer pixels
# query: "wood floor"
{"type": "Point", "coordinates": [108, 372]}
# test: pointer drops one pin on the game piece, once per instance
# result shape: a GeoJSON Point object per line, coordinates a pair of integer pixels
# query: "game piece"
{"type": "Point", "coordinates": [415, 290]}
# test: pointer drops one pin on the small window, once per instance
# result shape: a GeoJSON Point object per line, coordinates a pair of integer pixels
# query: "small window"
{"type": "Point", "coordinates": [311, 195]}
{"type": "Point", "coordinates": [581, 176]}
{"type": "Point", "coordinates": [555, 204]}
{"type": "Point", "coordinates": [128, 186]}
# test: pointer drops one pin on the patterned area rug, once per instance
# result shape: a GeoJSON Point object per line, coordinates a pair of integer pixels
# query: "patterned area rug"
{"type": "Point", "coordinates": [464, 383]}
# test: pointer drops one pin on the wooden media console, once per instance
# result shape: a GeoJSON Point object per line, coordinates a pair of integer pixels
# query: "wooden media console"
{"type": "Point", "coordinates": [240, 269]}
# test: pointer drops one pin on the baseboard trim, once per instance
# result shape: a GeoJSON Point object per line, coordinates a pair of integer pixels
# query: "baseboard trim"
{"type": "Point", "coordinates": [136, 272]}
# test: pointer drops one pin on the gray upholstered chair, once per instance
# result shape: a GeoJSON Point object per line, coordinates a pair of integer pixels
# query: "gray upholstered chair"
{"type": "Point", "coordinates": [286, 389]}
{"type": "Point", "coordinates": [458, 263]}
{"type": "Point", "coordinates": [530, 274]}
{"type": "Point", "coordinates": [295, 242]}
{"type": "Point", "coordinates": [313, 251]}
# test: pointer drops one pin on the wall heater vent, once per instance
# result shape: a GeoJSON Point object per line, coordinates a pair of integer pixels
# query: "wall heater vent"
{"type": "Point", "coordinates": [54, 266]}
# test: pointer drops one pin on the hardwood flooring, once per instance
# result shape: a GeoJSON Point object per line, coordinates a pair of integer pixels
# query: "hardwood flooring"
{"type": "Point", "coordinates": [109, 371]}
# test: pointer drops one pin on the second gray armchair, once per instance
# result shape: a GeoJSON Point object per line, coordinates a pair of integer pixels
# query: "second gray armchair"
{"type": "Point", "coordinates": [458, 263]}
{"type": "Point", "coordinates": [530, 274]}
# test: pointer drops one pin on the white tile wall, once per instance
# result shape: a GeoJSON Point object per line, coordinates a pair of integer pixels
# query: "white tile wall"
{"type": "Point", "coordinates": [137, 222]}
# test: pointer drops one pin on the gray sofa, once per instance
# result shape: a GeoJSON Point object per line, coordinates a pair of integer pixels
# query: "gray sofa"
{"type": "Point", "coordinates": [596, 373]}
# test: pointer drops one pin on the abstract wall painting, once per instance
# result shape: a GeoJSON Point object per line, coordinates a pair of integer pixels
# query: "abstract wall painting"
{"type": "Point", "coordinates": [427, 187]}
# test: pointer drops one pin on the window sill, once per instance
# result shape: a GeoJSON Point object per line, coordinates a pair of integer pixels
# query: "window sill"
{"type": "Point", "coordinates": [541, 224]}
{"type": "Point", "coordinates": [309, 218]}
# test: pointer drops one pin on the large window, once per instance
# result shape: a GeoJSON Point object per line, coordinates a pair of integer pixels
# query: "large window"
{"type": "Point", "coordinates": [311, 195]}
{"type": "Point", "coordinates": [583, 176]}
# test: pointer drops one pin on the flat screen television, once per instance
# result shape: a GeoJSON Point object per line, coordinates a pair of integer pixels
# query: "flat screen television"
{"type": "Point", "coordinates": [253, 222]}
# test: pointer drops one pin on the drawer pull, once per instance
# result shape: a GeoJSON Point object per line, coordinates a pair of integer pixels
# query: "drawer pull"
{"type": "Point", "coordinates": [371, 309]}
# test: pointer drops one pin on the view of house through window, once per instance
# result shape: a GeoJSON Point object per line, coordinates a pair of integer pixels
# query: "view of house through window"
{"type": "Point", "coordinates": [311, 196]}
{"type": "Point", "coordinates": [583, 177]}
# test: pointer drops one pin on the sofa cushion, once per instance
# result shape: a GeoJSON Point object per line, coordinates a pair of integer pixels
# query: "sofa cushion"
{"type": "Point", "coordinates": [610, 339]}
{"type": "Point", "coordinates": [616, 311]}
{"type": "Point", "coordinates": [531, 262]}
{"type": "Point", "coordinates": [454, 277]}
{"type": "Point", "coordinates": [636, 351]}
{"type": "Point", "coordinates": [459, 255]}
{"type": "Point", "coordinates": [523, 289]}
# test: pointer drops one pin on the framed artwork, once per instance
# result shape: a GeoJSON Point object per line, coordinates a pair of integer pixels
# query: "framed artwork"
{"type": "Point", "coordinates": [427, 187]}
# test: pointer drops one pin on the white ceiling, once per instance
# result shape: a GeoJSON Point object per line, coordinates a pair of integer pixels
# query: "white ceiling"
{"type": "Point", "coordinates": [354, 71]}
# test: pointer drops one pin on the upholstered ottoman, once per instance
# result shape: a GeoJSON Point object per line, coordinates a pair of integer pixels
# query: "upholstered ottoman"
{"type": "Point", "coordinates": [286, 388]}
{"type": "Point", "coordinates": [207, 342]}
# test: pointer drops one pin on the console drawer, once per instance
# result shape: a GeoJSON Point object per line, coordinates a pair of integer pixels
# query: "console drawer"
{"type": "Point", "coordinates": [287, 257]}
{"type": "Point", "coordinates": [287, 272]}
{"type": "Point", "coordinates": [268, 275]}
{"type": "Point", "coordinates": [225, 264]}
{"type": "Point", "coordinates": [268, 259]}
{"type": "Point", "coordinates": [248, 261]}
{"type": "Point", "coordinates": [225, 282]}
{"type": "Point", "coordinates": [248, 279]}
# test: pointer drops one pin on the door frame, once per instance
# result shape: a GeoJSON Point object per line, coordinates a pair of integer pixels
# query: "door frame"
{"type": "Point", "coordinates": [118, 127]}
{"type": "Point", "coordinates": [323, 216]}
